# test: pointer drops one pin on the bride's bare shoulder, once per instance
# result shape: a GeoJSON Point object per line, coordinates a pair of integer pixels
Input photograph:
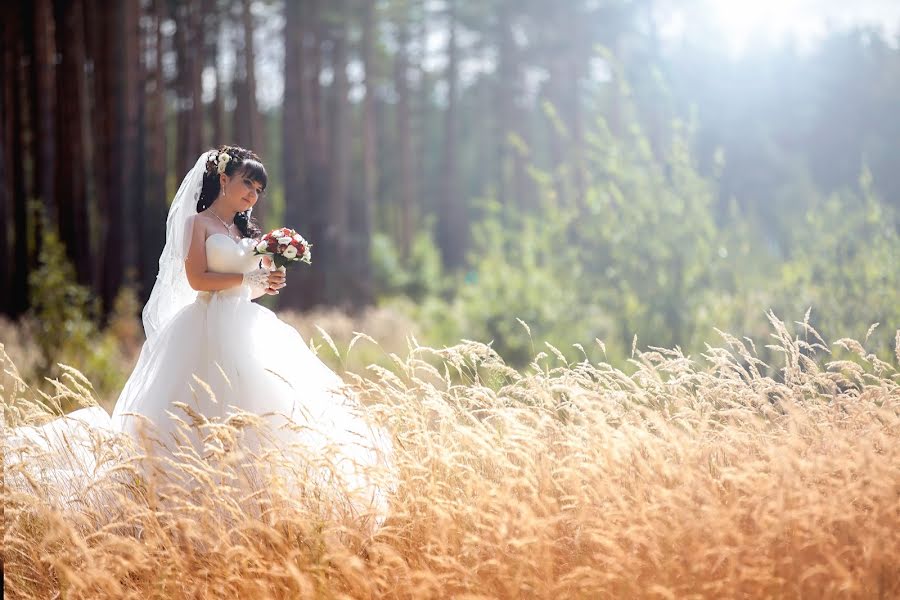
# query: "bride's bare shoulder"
{"type": "Point", "coordinates": [201, 225]}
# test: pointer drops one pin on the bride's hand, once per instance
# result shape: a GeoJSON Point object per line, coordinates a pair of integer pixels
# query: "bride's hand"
{"type": "Point", "coordinates": [263, 281]}
{"type": "Point", "coordinates": [277, 280]}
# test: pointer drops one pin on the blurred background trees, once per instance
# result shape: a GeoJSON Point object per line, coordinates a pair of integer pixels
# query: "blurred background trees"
{"type": "Point", "coordinates": [570, 164]}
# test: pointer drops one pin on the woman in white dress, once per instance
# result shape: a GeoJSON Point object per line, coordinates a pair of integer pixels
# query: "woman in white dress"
{"type": "Point", "coordinates": [211, 352]}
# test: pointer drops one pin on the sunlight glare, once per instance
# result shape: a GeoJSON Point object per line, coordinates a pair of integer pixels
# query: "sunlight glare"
{"type": "Point", "coordinates": [740, 21]}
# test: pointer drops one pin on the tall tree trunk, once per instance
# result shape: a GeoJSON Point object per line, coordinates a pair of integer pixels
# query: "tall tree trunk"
{"type": "Point", "coordinates": [130, 112]}
{"type": "Point", "coordinates": [452, 224]}
{"type": "Point", "coordinates": [250, 57]}
{"type": "Point", "coordinates": [153, 225]}
{"type": "Point", "coordinates": [337, 231]}
{"type": "Point", "coordinates": [120, 133]}
{"type": "Point", "coordinates": [8, 133]}
{"type": "Point", "coordinates": [364, 293]}
{"type": "Point", "coordinates": [196, 51]}
{"type": "Point", "coordinates": [247, 128]}
{"type": "Point", "coordinates": [23, 260]}
{"type": "Point", "coordinates": [509, 160]}
{"type": "Point", "coordinates": [247, 121]}
{"type": "Point", "coordinates": [189, 105]}
{"type": "Point", "coordinates": [294, 135]}
{"type": "Point", "coordinates": [424, 191]}
{"type": "Point", "coordinates": [218, 135]}
{"type": "Point", "coordinates": [212, 26]}
{"type": "Point", "coordinates": [108, 98]}
{"type": "Point", "coordinates": [5, 166]}
{"type": "Point", "coordinates": [146, 39]}
{"type": "Point", "coordinates": [31, 146]}
{"type": "Point", "coordinates": [317, 126]}
{"type": "Point", "coordinates": [96, 24]}
{"type": "Point", "coordinates": [71, 166]}
{"type": "Point", "coordinates": [44, 72]}
{"type": "Point", "coordinates": [404, 137]}
{"type": "Point", "coordinates": [255, 137]}
{"type": "Point", "coordinates": [312, 281]}
{"type": "Point", "coordinates": [293, 109]}
{"type": "Point", "coordinates": [184, 90]}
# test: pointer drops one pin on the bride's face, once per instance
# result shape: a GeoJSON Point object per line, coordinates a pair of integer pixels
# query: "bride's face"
{"type": "Point", "coordinates": [240, 193]}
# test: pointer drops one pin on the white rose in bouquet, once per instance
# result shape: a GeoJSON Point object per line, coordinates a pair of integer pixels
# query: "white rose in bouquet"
{"type": "Point", "coordinates": [284, 241]}
{"type": "Point", "coordinates": [290, 252]}
{"type": "Point", "coordinates": [262, 247]}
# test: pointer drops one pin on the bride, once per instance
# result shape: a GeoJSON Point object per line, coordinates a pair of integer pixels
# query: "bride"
{"type": "Point", "coordinates": [211, 353]}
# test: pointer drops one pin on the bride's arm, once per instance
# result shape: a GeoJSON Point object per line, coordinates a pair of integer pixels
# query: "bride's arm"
{"type": "Point", "coordinates": [196, 269]}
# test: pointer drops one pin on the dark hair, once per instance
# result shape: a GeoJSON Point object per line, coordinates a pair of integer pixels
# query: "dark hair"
{"type": "Point", "coordinates": [242, 161]}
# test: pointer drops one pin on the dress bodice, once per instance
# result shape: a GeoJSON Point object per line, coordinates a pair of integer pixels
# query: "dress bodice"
{"type": "Point", "coordinates": [227, 255]}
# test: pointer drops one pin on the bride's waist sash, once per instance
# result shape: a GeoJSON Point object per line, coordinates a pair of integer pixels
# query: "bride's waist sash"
{"type": "Point", "coordinates": [237, 292]}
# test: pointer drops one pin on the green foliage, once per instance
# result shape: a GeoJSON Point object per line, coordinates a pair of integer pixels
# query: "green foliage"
{"type": "Point", "coordinates": [640, 253]}
{"type": "Point", "coordinates": [845, 264]}
{"type": "Point", "coordinates": [63, 310]}
{"type": "Point", "coordinates": [64, 317]}
{"type": "Point", "coordinates": [421, 275]}
{"type": "Point", "coordinates": [524, 275]}
{"type": "Point", "coordinates": [646, 238]}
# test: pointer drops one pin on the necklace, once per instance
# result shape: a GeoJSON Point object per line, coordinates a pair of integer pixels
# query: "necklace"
{"type": "Point", "coordinates": [228, 226]}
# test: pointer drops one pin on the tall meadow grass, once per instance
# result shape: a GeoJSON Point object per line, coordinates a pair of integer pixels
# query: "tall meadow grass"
{"type": "Point", "coordinates": [712, 476]}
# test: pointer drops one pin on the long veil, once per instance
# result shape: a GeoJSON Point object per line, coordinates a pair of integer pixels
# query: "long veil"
{"type": "Point", "coordinates": [171, 292]}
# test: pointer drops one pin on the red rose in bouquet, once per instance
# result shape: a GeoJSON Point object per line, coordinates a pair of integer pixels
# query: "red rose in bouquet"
{"type": "Point", "coordinates": [285, 246]}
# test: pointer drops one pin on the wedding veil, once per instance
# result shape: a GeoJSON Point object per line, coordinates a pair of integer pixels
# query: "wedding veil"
{"type": "Point", "coordinates": [172, 292]}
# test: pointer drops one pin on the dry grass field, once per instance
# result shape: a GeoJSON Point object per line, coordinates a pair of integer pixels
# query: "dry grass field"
{"type": "Point", "coordinates": [713, 476]}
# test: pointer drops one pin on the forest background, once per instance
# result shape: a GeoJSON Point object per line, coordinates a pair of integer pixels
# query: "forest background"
{"type": "Point", "coordinates": [598, 175]}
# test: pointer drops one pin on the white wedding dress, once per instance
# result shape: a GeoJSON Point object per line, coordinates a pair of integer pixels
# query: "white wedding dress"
{"type": "Point", "coordinates": [222, 354]}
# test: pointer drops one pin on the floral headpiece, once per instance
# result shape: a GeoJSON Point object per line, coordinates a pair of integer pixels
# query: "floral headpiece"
{"type": "Point", "coordinates": [222, 160]}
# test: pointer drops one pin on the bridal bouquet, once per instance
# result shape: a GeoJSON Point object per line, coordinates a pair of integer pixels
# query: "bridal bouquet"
{"type": "Point", "coordinates": [285, 246]}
